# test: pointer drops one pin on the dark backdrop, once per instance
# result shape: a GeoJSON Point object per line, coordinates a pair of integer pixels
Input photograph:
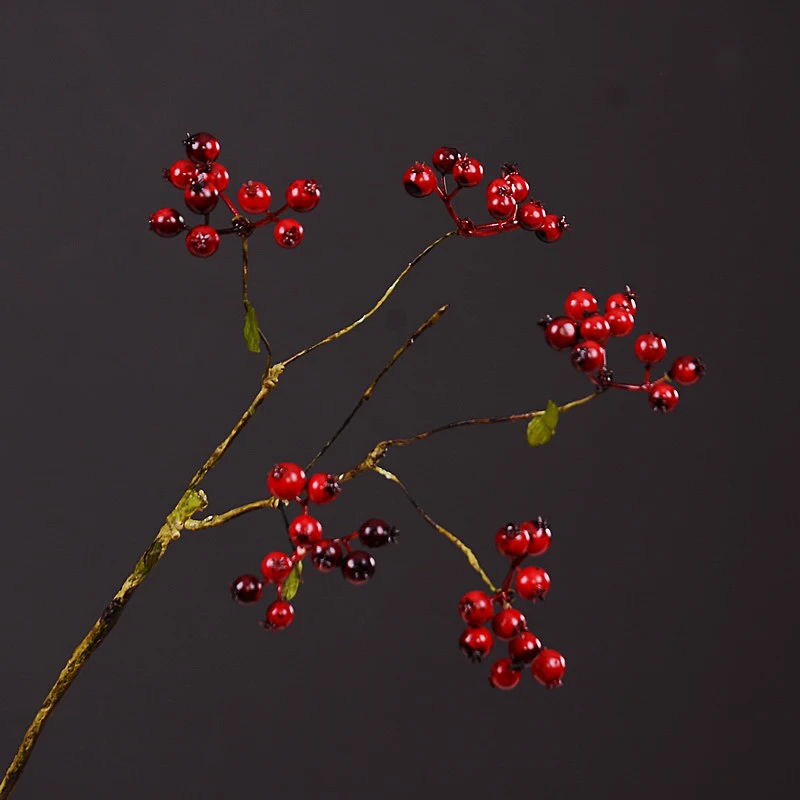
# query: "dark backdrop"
{"type": "Point", "coordinates": [663, 131]}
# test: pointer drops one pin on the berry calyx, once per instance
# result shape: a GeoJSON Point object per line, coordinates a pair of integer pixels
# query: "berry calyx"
{"type": "Point", "coordinates": [687, 370]}
{"type": "Point", "coordinates": [201, 197]}
{"type": "Point", "coordinates": [419, 180]}
{"type": "Point", "coordinates": [548, 668]}
{"type": "Point", "coordinates": [276, 567]}
{"type": "Point", "coordinates": [663, 397]}
{"type": "Point", "coordinates": [254, 197]}
{"type": "Point", "coordinates": [475, 608]}
{"type": "Point", "coordinates": [358, 567]}
{"type": "Point", "coordinates": [540, 535]}
{"type": "Point", "coordinates": [512, 540]}
{"type": "Point", "coordinates": [201, 147]}
{"type": "Point", "coordinates": [580, 303]}
{"type": "Point", "coordinates": [288, 233]}
{"type": "Point", "coordinates": [588, 356]}
{"type": "Point", "coordinates": [650, 348]}
{"type": "Point", "coordinates": [476, 643]}
{"type": "Point", "coordinates": [286, 480]}
{"type": "Point", "coordinates": [279, 615]}
{"type": "Point", "coordinates": [246, 589]}
{"type": "Point", "coordinates": [305, 530]}
{"type": "Point", "coordinates": [620, 321]}
{"type": "Point", "coordinates": [377, 533]}
{"type": "Point", "coordinates": [501, 205]}
{"type": "Point", "coordinates": [467, 172]}
{"type": "Point", "coordinates": [533, 583]}
{"type": "Point", "coordinates": [531, 215]}
{"type": "Point", "coordinates": [508, 623]}
{"type": "Point", "coordinates": [520, 188]}
{"type": "Point", "coordinates": [202, 241]}
{"type": "Point", "coordinates": [524, 648]}
{"type": "Point", "coordinates": [595, 328]}
{"type": "Point", "coordinates": [215, 173]}
{"type": "Point", "coordinates": [626, 300]}
{"type": "Point", "coordinates": [560, 333]}
{"type": "Point", "coordinates": [326, 555]}
{"type": "Point", "coordinates": [444, 158]}
{"type": "Point", "coordinates": [303, 195]}
{"type": "Point", "coordinates": [322, 488]}
{"type": "Point", "coordinates": [181, 173]}
{"type": "Point", "coordinates": [166, 222]}
{"type": "Point", "coordinates": [504, 674]}
{"type": "Point", "coordinates": [552, 228]}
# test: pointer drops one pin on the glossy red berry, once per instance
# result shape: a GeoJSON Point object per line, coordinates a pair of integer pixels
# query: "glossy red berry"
{"type": "Point", "coordinates": [202, 241]}
{"type": "Point", "coordinates": [276, 567]}
{"type": "Point", "coordinates": [663, 397]}
{"type": "Point", "coordinates": [322, 488]}
{"type": "Point", "coordinates": [279, 615]}
{"type": "Point", "coordinates": [501, 205]}
{"type": "Point", "coordinates": [476, 643]}
{"type": "Point", "coordinates": [626, 299]}
{"type": "Point", "coordinates": [246, 589]}
{"type": "Point", "coordinates": [650, 348]}
{"type": "Point", "coordinates": [475, 608]}
{"type": "Point", "coordinates": [552, 228]}
{"type": "Point", "coordinates": [444, 158]}
{"type": "Point", "coordinates": [254, 197]}
{"type": "Point", "coordinates": [533, 583]}
{"type": "Point", "coordinates": [201, 197]}
{"type": "Point", "coordinates": [687, 370]}
{"type": "Point", "coordinates": [580, 303]}
{"type": "Point", "coordinates": [595, 328]}
{"type": "Point", "coordinates": [326, 555]}
{"type": "Point", "coordinates": [181, 173]}
{"type": "Point", "coordinates": [305, 530]}
{"type": "Point", "coordinates": [560, 333]}
{"type": "Point", "coordinates": [498, 186]}
{"type": "Point", "coordinates": [504, 674]}
{"type": "Point", "coordinates": [288, 233]}
{"type": "Point", "coordinates": [508, 623]}
{"type": "Point", "coordinates": [620, 321]}
{"type": "Point", "coordinates": [588, 356]}
{"type": "Point", "coordinates": [215, 173]}
{"type": "Point", "coordinates": [303, 195]}
{"type": "Point", "coordinates": [512, 540]}
{"type": "Point", "coordinates": [419, 180]}
{"type": "Point", "coordinates": [358, 567]}
{"type": "Point", "coordinates": [202, 147]}
{"type": "Point", "coordinates": [524, 648]}
{"type": "Point", "coordinates": [286, 480]}
{"type": "Point", "coordinates": [520, 188]}
{"type": "Point", "coordinates": [540, 534]}
{"type": "Point", "coordinates": [548, 668]}
{"type": "Point", "coordinates": [531, 215]}
{"type": "Point", "coordinates": [166, 222]}
{"type": "Point", "coordinates": [467, 171]}
{"type": "Point", "coordinates": [377, 533]}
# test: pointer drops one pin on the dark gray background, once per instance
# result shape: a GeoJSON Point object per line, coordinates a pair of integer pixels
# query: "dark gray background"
{"type": "Point", "coordinates": [664, 132]}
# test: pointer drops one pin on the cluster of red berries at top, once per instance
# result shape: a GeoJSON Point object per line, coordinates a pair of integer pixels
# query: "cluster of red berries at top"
{"type": "Point", "coordinates": [288, 482]}
{"type": "Point", "coordinates": [516, 542]}
{"type": "Point", "coordinates": [585, 331]}
{"type": "Point", "coordinates": [204, 180]}
{"type": "Point", "coordinates": [507, 197]}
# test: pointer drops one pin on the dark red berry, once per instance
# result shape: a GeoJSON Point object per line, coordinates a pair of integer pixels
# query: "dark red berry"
{"type": "Point", "coordinates": [181, 173]}
{"type": "Point", "coordinates": [524, 648]}
{"type": "Point", "coordinates": [501, 206]}
{"type": "Point", "coordinates": [303, 195]}
{"type": "Point", "coordinates": [476, 643]}
{"type": "Point", "coordinates": [288, 233]}
{"type": "Point", "coordinates": [560, 333]}
{"type": "Point", "coordinates": [595, 328]}
{"type": "Point", "coordinates": [254, 197]}
{"type": "Point", "coordinates": [580, 303]}
{"type": "Point", "coordinates": [358, 567]}
{"type": "Point", "coordinates": [548, 668]}
{"type": "Point", "coordinates": [246, 589]}
{"type": "Point", "coordinates": [279, 615]}
{"type": "Point", "coordinates": [376, 533]}
{"type": "Point", "coordinates": [504, 674]}
{"type": "Point", "coordinates": [663, 397]}
{"type": "Point", "coordinates": [512, 540]}
{"type": "Point", "coordinates": [588, 356]}
{"type": "Point", "coordinates": [552, 228]}
{"type": "Point", "coordinates": [166, 222]}
{"type": "Point", "coordinates": [419, 180]}
{"type": "Point", "coordinates": [540, 535]}
{"type": "Point", "coordinates": [276, 567]}
{"type": "Point", "coordinates": [650, 348]}
{"type": "Point", "coordinates": [201, 196]}
{"type": "Point", "coordinates": [215, 173]}
{"type": "Point", "coordinates": [498, 186]}
{"type": "Point", "coordinates": [305, 530]}
{"type": "Point", "coordinates": [508, 623]}
{"type": "Point", "coordinates": [286, 480]}
{"type": "Point", "coordinates": [687, 370]}
{"type": "Point", "coordinates": [519, 186]}
{"type": "Point", "coordinates": [476, 608]}
{"type": "Point", "coordinates": [444, 158]}
{"type": "Point", "coordinates": [626, 299]}
{"type": "Point", "coordinates": [326, 555]}
{"type": "Point", "coordinates": [531, 215]}
{"type": "Point", "coordinates": [620, 321]}
{"type": "Point", "coordinates": [202, 147]}
{"type": "Point", "coordinates": [202, 241]}
{"type": "Point", "coordinates": [467, 171]}
{"type": "Point", "coordinates": [533, 583]}
{"type": "Point", "coordinates": [322, 488]}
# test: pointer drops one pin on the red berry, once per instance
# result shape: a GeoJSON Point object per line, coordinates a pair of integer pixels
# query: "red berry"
{"type": "Point", "coordinates": [552, 228]}
{"type": "Point", "coordinates": [181, 173]}
{"type": "Point", "coordinates": [580, 303]}
{"type": "Point", "coordinates": [326, 555]}
{"type": "Point", "coordinates": [166, 222]}
{"type": "Point", "coordinates": [246, 589]}
{"type": "Point", "coordinates": [531, 215]}
{"type": "Point", "coordinates": [650, 348]}
{"type": "Point", "coordinates": [303, 195]}
{"type": "Point", "coordinates": [508, 623]}
{"type": "Point", "coordinates": [512, 540]}
{"type": "Point", "coordinates": [595, 328]}
{"type": "Point", "coordinates": [560, 333]}
{"type": "Point", "coordinates": [215, 173]}
{"type": "Point", "coordinates": [288, 233]}
{"type": "Point", "coordinates": [279, 615]}
{"type": "Point", "coordinates": [254, 197]}
{"type": "Point", "coordinates": [504, 674]}
{"type": "Point", "coordinates": [201, 197]}
{"type": "Point", "coordinates": [663, 397]}
{"type": "Point", "coordinates": [377, 533]}
{"type": "Point", "coordinates": [444, 158]}
{"type": "Point", "coordinates": [322, 488]}
{"type": "Point", "coordinates": [626, 299]}
{"type": "Point", "coordinates": [524, 648]}
{"type": "Point", "coordinates": [540, 535]}
{"type": "Point", "coordinates": [467, 171]}
{"type": "Point", "coordinates": [519, 186]}
{"type": "Point", "coordinates": [286, 480]}
{"type": "Point", "coordinates": [475, 608]}
{"type": "Point", "coordinates": [687, 370]}
{"type": "Point", "coordinates": [548, 668]}
{"type": "Point", "coordinates": [358, 567]}
{"type": "Point", "coordinates": [533, 583]}
{"type": "Point", "coordinates": [276, 567]}
{"type": "Point", "coordinates": [498, 186]}
{"type": "Point", "coordinates": [501, 206]}
{"type": "Point", "coordinates": [419, 180]}
{"type": "Point", "coordinates": [620, 321]}
{"type": "Point", "coordinates": [305, 530]}
{"type": "Point", "coordinates": [476, 643]}
{"type": "Point", "coordinates": [202, 241]}
{"type": "Point", "coordinates": [588, 356]}
{"type": "Point", "coordinates": [201, 147]}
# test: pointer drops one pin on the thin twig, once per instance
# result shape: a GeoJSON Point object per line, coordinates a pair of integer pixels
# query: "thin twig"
{"type": "Point", "coordinates": [221, 519]}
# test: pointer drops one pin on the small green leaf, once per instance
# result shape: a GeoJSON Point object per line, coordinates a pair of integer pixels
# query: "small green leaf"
{"type": "Point", "coordinates": [251, 336]}
{"type": "Point", "coordinates": [542, 427]}
{"type": "Point", "coordinates": [292, 582]}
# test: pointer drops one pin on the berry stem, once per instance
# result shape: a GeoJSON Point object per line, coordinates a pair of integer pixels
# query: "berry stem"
{"type": "Point", "coordinates": [231, 207]}
{"type": "Point", "coordinates": [246, 299]}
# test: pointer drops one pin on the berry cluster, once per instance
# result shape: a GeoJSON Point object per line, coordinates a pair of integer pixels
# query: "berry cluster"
{"type": "Point", "coordinates": [288, 482]}
{"type": "Point", "coordinates": [204, 180]}
{"type": "Point", "coordinates": [516, 542]}
{"type": "Point", "coordinates": [585, 331]}
{"type": "Point", "coordinates": [507, 197]}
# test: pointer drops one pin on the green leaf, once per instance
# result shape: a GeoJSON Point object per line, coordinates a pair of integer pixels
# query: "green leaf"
{"type": "Point", "coordinates": [251, 336]}
{"type": "Point", "coordinates": [542, 428]}
{"type": "Point", "coordinates": [292, 582]}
